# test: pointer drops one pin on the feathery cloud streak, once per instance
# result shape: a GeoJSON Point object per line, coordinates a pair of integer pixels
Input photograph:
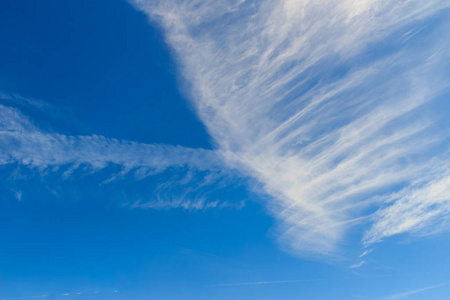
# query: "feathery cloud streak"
{"type": "Point", "coordinates": [22, 142]}
{"type": "Point", "coordinates": [413, 292]}
{"type": "Point", "coordinates": [323, 103]}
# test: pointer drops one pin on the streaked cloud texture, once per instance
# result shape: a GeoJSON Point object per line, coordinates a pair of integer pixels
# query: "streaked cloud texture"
{"type": "Point", "coordinates": [23, 142]}
{"type": "Point", "coordinates": [330, 105]}
{"type": "Point", "coordinates": [334, 108]}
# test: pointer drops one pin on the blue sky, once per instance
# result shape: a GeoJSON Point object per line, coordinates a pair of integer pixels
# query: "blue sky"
{"type": "Point", "coordinates": [224, 149]}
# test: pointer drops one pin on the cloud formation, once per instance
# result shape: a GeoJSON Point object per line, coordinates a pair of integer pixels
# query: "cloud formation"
{"type": "Point", "coordinates": [417, 291]}
{"type": "Point", "coordinates": [333, 107]}
{"type": "Point", "coordinates": [199, 203]}
{"type": "Point", "coordinates": [22, 142]}
{"type": "Point", "coordinates": [330, 105]}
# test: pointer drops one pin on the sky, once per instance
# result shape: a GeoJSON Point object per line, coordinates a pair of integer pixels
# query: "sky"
{"type": "Point", "coordinates": [236, 149]}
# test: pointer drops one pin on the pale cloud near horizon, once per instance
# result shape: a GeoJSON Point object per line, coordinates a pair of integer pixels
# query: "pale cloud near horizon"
{"type": "Point", "coordinates": [307, 98]}
{"type": "Point", "coordinates": [268, 282]}
{"type": "Point", "coordinates": [416, 291]}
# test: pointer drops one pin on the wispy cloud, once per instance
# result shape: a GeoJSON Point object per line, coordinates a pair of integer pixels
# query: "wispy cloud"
{"type": "Point", "coordinates": [417, 291]}
{"type": "Point", "coordinates": [412, 209]}
{"type": "Point", "coordinates": [366, 253]}
{"type": "Point", "coordinates": [24, 143]}
{"type": "Point", "coordinates": [52, 296]}
{"type": "Point", "coordinates": [325, 103]}
{"type": "Point", "coordinates": [331, 106]}
{"type": "Point", "coordinates": [17, 195]}
{"type": "Point", "coordinates": [358, 265]}
{"type": "Point", "coordinates": [199, 203]}
{"type": "Point", "coordinates": [23, 101]}
{"type": "Point", "coordinates": [189, 176]}
{"type": "Point", "coordinates": [267, 282]}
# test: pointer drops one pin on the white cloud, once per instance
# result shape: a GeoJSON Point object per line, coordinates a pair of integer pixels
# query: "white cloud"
{"type": "Point", "coordinates": [417, 291]}
{"type": "Point", "coordinates": [22, 142]}
{"type": "Point", "coordinates": [199, 203]}
{"type": "Point", "coordinates": [306, 97]}
{"type": "Point", "coordinates": [412, 209]}
{"type": "Point", "coordinates": [268, 282]}
{"type": "Point", "coordinates": [18, 195]}
{"type": "Point", "coordinates": [23, 101]}
{"type": "Point", "coordinates": [328, 104]}
{"type": "Point", "coordinates": [194, 173]}
{"type": "Point", "coordinates": [366, 253]}
{"type": "Point", "coordinates": [358, 265]}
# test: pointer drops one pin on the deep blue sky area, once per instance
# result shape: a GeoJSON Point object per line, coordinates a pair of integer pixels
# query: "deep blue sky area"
{"type": "Point", "coordinates": [90, 59]}
{"type": "Point", "coordinates": [98, 75]}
